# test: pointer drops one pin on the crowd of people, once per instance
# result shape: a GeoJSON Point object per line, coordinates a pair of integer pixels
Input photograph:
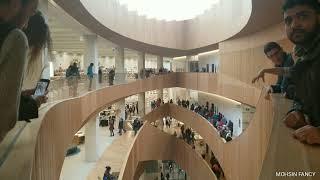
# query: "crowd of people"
{"type": "Point", "coordinates": [170, 169]}
{"type": "Point", "coordinates": [106, 119]}
{"type": "Point", "coordinates": [156, 103]}
{"type": "Point", "coordinates": [131, 109]}
{"type": "Point", "coordinates": [216, 118]}
{"type": "Point", "coordinates": [188, 135]}
{"type": "Point", "coordinates": [73, 76]}
{"type": "Point", "coordinates": [148, 72]}
{"type": "Point", "coordinates": [215, 166]}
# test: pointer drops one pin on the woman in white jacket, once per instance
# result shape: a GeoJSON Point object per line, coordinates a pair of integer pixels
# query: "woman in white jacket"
{"type": "Point", "coordinates": [14, 15]}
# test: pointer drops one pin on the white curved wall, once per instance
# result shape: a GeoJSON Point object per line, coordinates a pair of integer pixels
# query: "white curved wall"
{"type": "Point", "coordinates": [215, 25]}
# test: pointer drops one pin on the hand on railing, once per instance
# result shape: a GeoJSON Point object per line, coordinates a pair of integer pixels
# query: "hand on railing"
{"type": "Point", "coordinates": [308, 134]}
{"type": "Point", "coordinates": [295, 120]}
{"type": "Point", "coordinates": [259, 76]}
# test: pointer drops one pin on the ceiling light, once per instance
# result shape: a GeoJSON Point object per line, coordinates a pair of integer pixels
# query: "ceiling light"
{"type": "Point", "coordinates": [209, 52]}
{"type": "Point", "coordinates": [182, 57]}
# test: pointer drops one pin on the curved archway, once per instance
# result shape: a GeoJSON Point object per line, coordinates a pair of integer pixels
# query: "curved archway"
{"type": "Point", "coordinates": [166, 147]}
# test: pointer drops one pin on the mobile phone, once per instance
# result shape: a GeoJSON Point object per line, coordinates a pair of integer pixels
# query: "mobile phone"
{"type": "Point", "coordinates": [42, 87]}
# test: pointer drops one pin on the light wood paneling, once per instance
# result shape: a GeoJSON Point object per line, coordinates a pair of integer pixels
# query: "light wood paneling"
{"type": "Point", "coordinates": [284, 154]}
{"type": "Point", "coordinates": [188, 34]}
{"type": "Point", "coordinates": [243, 58]}
{"type": "Point", "coordinates": [58, 124]}
{"type": "Point", "coordinates": [113, 156]}
{"type": "Point", "coordinates": [139, 170]}
{"type": "Point", "coordinates": [220, 84]}
{"type": "Point", "coordinates": [153, 144]}
{"type": "Point", "coordinates": [251, 145]}
{"type": "Point", "coordinates": [112, 22]}
{"type": "Point", "coordinates": [265, 148]}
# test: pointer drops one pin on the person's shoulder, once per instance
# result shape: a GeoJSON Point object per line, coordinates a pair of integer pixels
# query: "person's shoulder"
{"type": "Point", "coordinates": [17, 36]}
{"type": "Point", "coordinates": [15, 43]}
{"type": "Point", "coordinates": [17, 40]}
{"type": "Point", "coordinates": [289, 60]}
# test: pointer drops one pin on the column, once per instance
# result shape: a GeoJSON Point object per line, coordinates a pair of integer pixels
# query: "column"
{"type": "Point", "coordinates": [159, 62]}
{"type": "Point", "coordinates": [91, 154]}
{"type": "Point", "coordinates": [160, 65]}
{"type": "Point", "coordinates": [141, 96]}
{"type": "Point", "coordinates": [171, 63]}
{"type": "Point", "coordinates": [141, 62]}
{"type": "Point", "coordinates": [119, 64]}
{"type": "Point", "coordinates": [91, 52]}
{"type": "Point", "coordinates": [172, 94]}
{"type": "Point", "coordinates": [91, 56]}
{"type": "Point", "coordinates": [160, 93]}
{"type": "Point", "coordinates": [188, 94]}
{"type": "Point", "coordinates": [141, 103]}
{"type": "Point", "coordinates": [121, 107]}
{"type": "Point", "coordinates": [188, 61]}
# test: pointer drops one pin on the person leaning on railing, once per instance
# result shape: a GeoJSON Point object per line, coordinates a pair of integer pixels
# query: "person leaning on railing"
{"type": "Point", "coordinates": [279, 58]}
{"type": "Point", "coordinates": [14, 16]}
{"type": "Point", "coordinates": [302, 26]}
{"type": "Point", "coordinates": [38, 35]}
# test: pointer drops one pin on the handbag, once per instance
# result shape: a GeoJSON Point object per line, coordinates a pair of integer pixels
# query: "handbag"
{"type": "Point", "coordinates": [28, 108]}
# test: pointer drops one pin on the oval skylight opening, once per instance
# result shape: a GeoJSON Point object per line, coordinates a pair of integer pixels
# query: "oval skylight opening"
{"type": "Point", "coordinates": [169, 10]}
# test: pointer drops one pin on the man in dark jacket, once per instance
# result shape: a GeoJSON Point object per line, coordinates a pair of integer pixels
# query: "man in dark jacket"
{"type": "Point", "coordinates": [303, 29]}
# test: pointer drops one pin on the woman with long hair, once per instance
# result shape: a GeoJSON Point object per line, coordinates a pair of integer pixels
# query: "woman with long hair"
{"type": "Point", "coordinates": [39, 38]}
{"type": "Point", "coordinates": [14, 16]}
{"type": "Point", "coordinates": [38, 34]}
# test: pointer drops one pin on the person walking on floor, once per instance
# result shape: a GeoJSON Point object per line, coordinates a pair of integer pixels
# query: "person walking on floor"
{"type": "Point", "coordinates": [90, 74]}
{"type": "Point", "coordinates": [111, 126]}
{"type": "Point", "coordinates": [107, 174]}
{"type": "Point", "coordinates": [121, 125]}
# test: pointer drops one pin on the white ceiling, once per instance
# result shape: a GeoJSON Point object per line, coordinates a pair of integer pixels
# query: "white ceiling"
{"type": "Point", "coordinates": [67, 34]}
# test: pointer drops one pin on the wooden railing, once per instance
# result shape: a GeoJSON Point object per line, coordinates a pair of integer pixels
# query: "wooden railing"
{"type": "Point", "coordinates": [49, 136]}
{"type": "Point", "coordinates": [263, 150]}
